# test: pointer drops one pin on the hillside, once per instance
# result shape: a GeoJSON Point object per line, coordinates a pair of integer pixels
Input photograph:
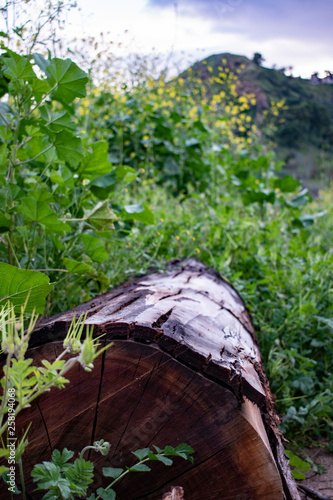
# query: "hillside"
{"type": "Point", "coordinates": [303, 132]}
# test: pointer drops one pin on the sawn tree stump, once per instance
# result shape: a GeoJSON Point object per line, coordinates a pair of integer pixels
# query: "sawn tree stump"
{"type": "Point", "coordinates": [185, 367]}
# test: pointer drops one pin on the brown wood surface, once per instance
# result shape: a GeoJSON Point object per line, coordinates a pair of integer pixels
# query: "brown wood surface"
{"type": "Point", "coordinates": [185, 367]}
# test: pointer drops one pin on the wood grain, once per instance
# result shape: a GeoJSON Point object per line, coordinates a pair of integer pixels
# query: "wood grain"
{"type": "Point", "coordinates": [185, 367]}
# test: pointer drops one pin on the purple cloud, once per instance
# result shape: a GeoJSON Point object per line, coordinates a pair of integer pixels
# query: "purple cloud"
{"type": "Point", "coordinates": [260, 19]}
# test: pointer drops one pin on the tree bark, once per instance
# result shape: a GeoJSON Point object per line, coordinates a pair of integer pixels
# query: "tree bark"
{"type": "Point", "coordinates": [185, 367]}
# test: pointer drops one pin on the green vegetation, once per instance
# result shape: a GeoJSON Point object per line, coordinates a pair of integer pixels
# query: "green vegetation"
{"type": "Point", "coordinates": [302, 131]}
{"type": "Point", "coordinates": [99, 184]}
{"type": "Point", "coordinates": [65, 480]}
{"type": "Point", "coordinates": [23, 382]}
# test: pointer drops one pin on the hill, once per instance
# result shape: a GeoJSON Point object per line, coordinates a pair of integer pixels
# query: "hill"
{"type": "Point", "coordinates": [303, 132]}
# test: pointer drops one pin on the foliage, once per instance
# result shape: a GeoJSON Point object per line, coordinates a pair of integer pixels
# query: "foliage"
{"type": "Point", "coordinates": [298, 465]}
{"type": "Point", "coordinates": [65, 480]}
{"type": "Point", "coordinates": [96, 190]}
{"type": "Point", "coordinates": [23, 288]}
{"type": "Point", "coordinates": [302, 129]}
{"type": "Point", "coordinates": [23, 382]}
{"type": "Point", "coordinates": [50, 217]}
{"type": "Point", "coordinates": [169, 131]}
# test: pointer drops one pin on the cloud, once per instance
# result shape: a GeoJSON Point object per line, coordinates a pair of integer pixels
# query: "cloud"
{"type": "Point", "coordinates": [260, 18]}
{"type": "Point", "coordinates": [205, 8]}
{"type": "Point", "coordinates": [297, 30]}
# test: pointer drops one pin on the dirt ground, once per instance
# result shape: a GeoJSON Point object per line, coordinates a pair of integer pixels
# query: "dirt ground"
{"type": "Point", "coordinates": [323, 483]}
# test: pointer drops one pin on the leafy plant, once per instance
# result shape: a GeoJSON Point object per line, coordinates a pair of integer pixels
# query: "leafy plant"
{"type": "Point", "coordinates": [23, 288]}
{"type": "Point", "coordinates": [65, 480]}
{"type": "Point", "coordinates": [23, 382]}
{"type": "Point", "coordinates": [52, 211]}
{"type": "Point", "coordinates": [298, 465]}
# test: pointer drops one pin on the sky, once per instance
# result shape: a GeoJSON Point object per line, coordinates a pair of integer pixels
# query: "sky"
{"type": "Point", "coordinates": [293, 33]}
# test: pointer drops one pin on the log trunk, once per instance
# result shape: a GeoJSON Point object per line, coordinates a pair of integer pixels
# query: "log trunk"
{"type": "Point", "coordinates": [185, 367]}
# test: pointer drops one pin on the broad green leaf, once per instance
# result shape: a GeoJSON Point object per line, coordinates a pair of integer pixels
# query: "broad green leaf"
{"type": "Point", "coordinates": [139, 212]}
{"type": "Point", "coordinates": [86, 269]}
{"type": "Point", "coordinates": [297, 462]}
{"type": "Point", "coordinates": [69, 148]}
{"type": "Point", "coordinates": [39, 88]}
{"type": "Point", "coordinates": [253, 196]}
{"type": "Point", "coordinates": [41, 62]}
{"type": "Point", "coordinates": [141, 454]}
{"type": "Point", "coordinates": [32, 130]}
{"type": "Point", "coordinates": [112, 472]}
{"type": "Point", "coordinates": [39, 211]}
{"type": "Point", "coordinates": [287, 184]}
{"type": "Point", "coordinates": [125, 173]}
{"type": "Point", "coordinates": [18, 67]}
{"type": "Point", "coordinates": [62, 176]}
{"type": "Point", "coordinates": [77, 267]}
{"type": "Point", "coordinates": [169, 450]}
{"type": "Point", "coordinates": [165, 460]}
{"type": "Point", "coordinates": [298, 475]}
{"type": "Point", "coordinates": [42, 195]}
{"type": "Point", "coordinates": [302, 199]}
{"type": "Point", "coordinates": [18, 284]}
{"type": "Point", "coordinates": [308, 219]}
{"type": "Point", "coordinates": [5, 133]}
{"type": "Point", "coordinates": [104, 185]}
{"type": "Point", "coordinates": [14, 191]}
{"type": "Point", "coordinates": [37, 150]}
{"type": "Point", "coordinates": [57, 120]}
{"type": "Point", "coordinates": [94, 248]}
{"type": "Point", "coordinates": [101, 217]}
{"type": "Point", "coordinates": [139, 468]}
{"type": "Point", "coordinates": [96, 161]}
{"type": "Point", "coordinates": [106, 494]}
{"type": "Point", "coordinates": [184, 448]}
{"type": "Point", "coordinates": [69, 79]}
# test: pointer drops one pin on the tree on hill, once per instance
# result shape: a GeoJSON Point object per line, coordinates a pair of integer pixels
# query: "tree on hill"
{"type": "Point", "coordinates": [258, 59]}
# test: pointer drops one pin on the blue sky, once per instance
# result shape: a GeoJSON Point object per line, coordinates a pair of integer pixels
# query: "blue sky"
{"type": "Point", "coordinates": [287, 32]}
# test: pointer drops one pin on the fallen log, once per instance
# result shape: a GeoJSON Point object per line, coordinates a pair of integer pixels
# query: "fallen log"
{"type": "Point", "coordinates": [185, 367]}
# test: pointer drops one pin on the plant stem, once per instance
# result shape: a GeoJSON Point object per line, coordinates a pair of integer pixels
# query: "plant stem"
{"type": "Point", "coordinates": [22, 479]}
{"type": "Point", "coordinates": [35, 157]}
{"type": "Point", "coordinates": [6, 122]}
{"type": "Point", "coordinates": [85, 449]}
{"type": "Point", "coordinates": [124, 474]}
{"type": "Point", "coordinates": [40, 102]}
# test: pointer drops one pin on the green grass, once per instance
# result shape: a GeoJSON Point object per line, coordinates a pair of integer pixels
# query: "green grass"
{"type": "Point", "coordinates": [283, 274]}
{"type": "Point", "coordinates": [188, 178]}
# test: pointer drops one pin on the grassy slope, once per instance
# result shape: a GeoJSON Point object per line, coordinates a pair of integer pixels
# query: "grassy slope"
{"type": "Point", "coordinates": [304, 138]}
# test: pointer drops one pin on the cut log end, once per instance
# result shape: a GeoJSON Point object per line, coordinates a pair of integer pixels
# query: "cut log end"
{"type": "Point", "coordinates": [185, 367]}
